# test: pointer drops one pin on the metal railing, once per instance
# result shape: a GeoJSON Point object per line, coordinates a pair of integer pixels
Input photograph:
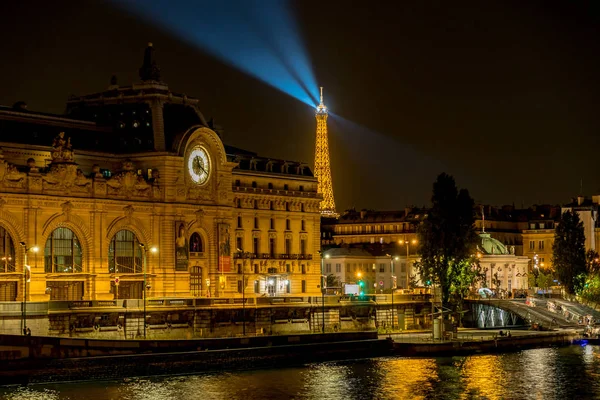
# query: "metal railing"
{"type": "Point", "coordinates": [272, 256]}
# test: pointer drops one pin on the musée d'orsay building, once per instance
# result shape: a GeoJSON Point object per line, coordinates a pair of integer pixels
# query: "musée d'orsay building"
{"type": "Point", "coordinates": [134, 180]}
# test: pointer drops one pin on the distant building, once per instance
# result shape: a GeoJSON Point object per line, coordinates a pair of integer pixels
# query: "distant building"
{"type": "Point", "coordinates": [505, 272]}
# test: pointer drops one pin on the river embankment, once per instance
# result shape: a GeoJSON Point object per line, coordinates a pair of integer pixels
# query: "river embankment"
{"type": "Point", "coordinates": [27, 360]}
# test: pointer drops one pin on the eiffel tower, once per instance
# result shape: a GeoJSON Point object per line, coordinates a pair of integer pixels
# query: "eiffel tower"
{"type": "Point", "coordinates": [322, 164]}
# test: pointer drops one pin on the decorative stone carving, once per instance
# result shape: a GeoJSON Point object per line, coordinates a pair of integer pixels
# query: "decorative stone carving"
{"type": "Point", "coordinates": [256, 234]}
{"type": "Point", "coordinates": [288, 235]}
{"type": "Point", "coordinates": [31, 165]}
{"type": "Point", "coordinates": [304, 236]}
{"type": "Point", "coordinates": [96, 171]}
{"type": "Point", "coordinates": [198, 194]}
{"type": "Point", "coordinates": [200, 216]}
{"type": "Point", "coordinates": [66, 177]}
{"type": "Point", "coordinates": [2, 202]}
{"type": "Point", "coordinates": [13, 178]}
{"type": "Point", "coordinates": [128, 211]}
{"type": "Point", "coordinates": [239, 233]}
{"type": "Point", "coordinates": [128, 183]}
{"type": "Point", "coordinates": [272, 235]}
{"type": "Point", "coordinates": [66, 207]}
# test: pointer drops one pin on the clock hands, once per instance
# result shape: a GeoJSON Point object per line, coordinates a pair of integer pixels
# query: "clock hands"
{"type": "Point", "coordinates": [198, 165]}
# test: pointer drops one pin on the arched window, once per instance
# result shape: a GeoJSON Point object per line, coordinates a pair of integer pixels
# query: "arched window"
{"type": "Point", "coordinates": [62, 252]}
{"type": "Point", "coordinates": [7, 252]}
{"type": "Point", "coordinates": [125, 253]}
{"type": "Point", "coordinates": [196, 243]}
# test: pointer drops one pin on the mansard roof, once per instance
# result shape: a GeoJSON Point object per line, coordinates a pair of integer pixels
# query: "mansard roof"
{"type": "Point", "coordinates": [412, 215]}
{"type": "Point", "coordinates": [251, 161]}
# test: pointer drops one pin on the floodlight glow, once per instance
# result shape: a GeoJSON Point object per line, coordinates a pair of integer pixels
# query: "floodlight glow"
{"type": "Point", "coordinates": [259, 37]}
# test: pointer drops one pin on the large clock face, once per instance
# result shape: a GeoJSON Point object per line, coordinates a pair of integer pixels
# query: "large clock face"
{"type": "Point", "coordinates": [199, 165]}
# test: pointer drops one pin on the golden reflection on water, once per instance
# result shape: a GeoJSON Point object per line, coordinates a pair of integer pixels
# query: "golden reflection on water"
{"type": "Point", "coordinates": [567, 373]}
{"type": "Point", "coordinates": [409, 378]}
{"type": "Point", "coordinates": [483, 377]}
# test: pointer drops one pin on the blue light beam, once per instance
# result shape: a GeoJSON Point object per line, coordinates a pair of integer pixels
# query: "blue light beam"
{"type": "Point", "coordinates": [258, 37]}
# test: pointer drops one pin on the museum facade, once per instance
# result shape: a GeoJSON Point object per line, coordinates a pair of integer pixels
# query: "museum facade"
{"type": "Point", "coordinates": [134, 188]}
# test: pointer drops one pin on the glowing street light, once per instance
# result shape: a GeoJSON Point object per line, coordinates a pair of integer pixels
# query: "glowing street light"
{"type": "Point", "coordinates": [323, 284]}
{"type": "Point", "coordinates": [26, 271]}
{"type": "Point", "coordinates": [153, 250]}
{"type": "Point", "coordinates": [407, 243]}
{"type": "Point", "coordinates": [393, 284]}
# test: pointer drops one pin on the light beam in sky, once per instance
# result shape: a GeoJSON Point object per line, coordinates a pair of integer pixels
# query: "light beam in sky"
{"type": "Point", "coordinates": [259, 37]}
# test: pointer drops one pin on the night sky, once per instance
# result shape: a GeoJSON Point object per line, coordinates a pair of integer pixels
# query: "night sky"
{"type": "Point", "coordinates": [503, 95]}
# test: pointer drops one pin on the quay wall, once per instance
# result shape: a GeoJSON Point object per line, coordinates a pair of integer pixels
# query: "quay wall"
{"type": "Point", "coordinates": [219, 317]}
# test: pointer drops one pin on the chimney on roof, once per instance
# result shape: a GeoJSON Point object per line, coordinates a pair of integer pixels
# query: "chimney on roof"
{"type": "Point", "coordinates": [580, 200]}
{"type": "Point", "coordinates": [363, 213]}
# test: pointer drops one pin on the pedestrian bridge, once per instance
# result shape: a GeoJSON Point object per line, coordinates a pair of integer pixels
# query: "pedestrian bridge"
{"type": "Point", "coordinates": [496, 313]}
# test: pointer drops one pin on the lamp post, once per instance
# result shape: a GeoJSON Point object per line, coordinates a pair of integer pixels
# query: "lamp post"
{"type": "Point", "coordinates": [323, 283]}
{"type": "Point", "coordinates": [25, 269]}
{"type": "Point", "coordinates": [407, 242]}
{"type": "Point", "coordinates": [146, 286]}
{"type": "Point", "coordinates": [536, 268]}
{"type": "Point", "coordinates": [392, 258]}
{"type": "Point", "coordinates": [244, 255]}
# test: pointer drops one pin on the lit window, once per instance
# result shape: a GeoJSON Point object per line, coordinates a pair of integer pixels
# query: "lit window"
{"type": "Point", "coordinates": [62, 252]}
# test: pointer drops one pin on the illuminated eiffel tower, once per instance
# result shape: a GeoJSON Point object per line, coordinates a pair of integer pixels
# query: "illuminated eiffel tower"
{"type": "Point", "coordinates": [322, 164]}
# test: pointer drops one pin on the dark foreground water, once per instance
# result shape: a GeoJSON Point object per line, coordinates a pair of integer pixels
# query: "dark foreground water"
{"type": "Point", "coordinates": [551, 373]}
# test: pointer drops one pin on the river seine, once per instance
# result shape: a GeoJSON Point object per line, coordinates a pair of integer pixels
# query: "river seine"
{"type": "Point", "coordinates": [550, 373]}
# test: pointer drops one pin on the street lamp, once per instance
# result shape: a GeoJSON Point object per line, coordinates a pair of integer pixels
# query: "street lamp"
{"type": "Point", "coordinates": [323, 283]}
{"type": "Point", "coordinates": [407, 242]}
{"type": "Point", "coordinates": [146, 286]}
{"type": "Point", "coordinates": [536, 270]}
{"type": "Point", "coordinates": [393, 286]}
{"type": "Point", "coordinates": [244, 255]}
{"type": "Point", "coordinates": [25, 269]}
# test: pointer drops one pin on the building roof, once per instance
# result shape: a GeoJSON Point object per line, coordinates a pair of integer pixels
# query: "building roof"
{"type": "Point", "coordinates": [120, 120]}
{"type": "Point", "coordinates": [491, 246]}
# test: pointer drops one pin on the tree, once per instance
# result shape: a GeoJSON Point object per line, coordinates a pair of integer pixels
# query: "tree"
{"type": "Point", "coordinates": [333, 281]}
{"type": "Point", "coordinates": [413, 281]}
{"type": "Point", "coordinates": [568, 251]}
{"type": "Point", "coordinates": [447, 238]}
{"type": "Point", "coordinates": [592, 259]}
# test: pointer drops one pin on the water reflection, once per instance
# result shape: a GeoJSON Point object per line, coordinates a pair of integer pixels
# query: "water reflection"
{"type": "Point", "coordinates": [566, 373]}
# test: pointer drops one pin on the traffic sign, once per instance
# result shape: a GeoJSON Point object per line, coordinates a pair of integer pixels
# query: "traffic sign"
{"type": "Point", "coordinates": [116, 281]}
{"type": "Point", "coordinates": [380, 283]}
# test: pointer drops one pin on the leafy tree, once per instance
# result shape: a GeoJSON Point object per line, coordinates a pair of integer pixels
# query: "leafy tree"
{"type": "Point", "coordinates": [568, 251]}
{"type": "Point", "coordinates": [413, 282]}
{"type": "Point", "coordinates": [447, 238]}
{"type": "Point", "coordinates": [333, 281]}
{"type": "Point", "coordinates": [541, 278]}
{"type": "Point", "coordinates": [591, 289]}
{"type": "Point", "coordinates": [468, 274]}
{"type": "Point", "coordinates": [592, 261]}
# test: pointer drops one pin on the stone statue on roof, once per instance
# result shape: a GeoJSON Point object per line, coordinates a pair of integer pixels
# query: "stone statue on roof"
{"type": "Point", "coordinates": [62, 150]}
{"type": "Point", "coordinates": [149, 71]}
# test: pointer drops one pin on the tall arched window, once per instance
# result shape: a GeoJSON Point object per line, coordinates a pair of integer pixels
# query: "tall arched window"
{"type": "Point", "coordinates": [62, 252]}
{"type": "Point", "coordinates": [125, 253]}
{"type": "Point", "coordinates": [196, 243]}
{"type": "Point", "coordinates": [7, 252]}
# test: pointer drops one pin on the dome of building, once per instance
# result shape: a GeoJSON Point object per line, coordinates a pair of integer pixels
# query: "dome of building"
{"type": "Point", "coordinates": [491, 246]}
